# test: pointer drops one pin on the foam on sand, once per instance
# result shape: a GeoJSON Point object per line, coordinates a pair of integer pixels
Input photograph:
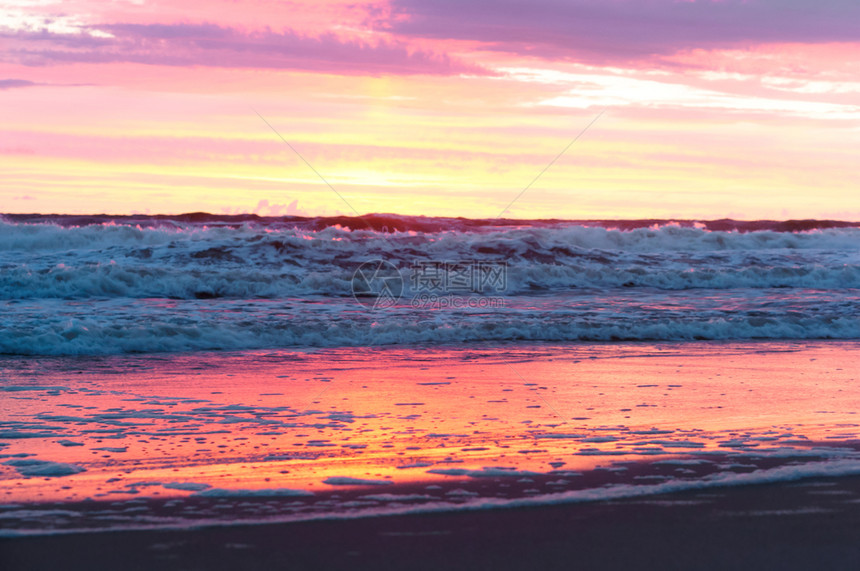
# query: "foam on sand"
{"type": "Point", "coordinates": [44, 468]}
{"type": "Point", "coordinates": [347, 481]}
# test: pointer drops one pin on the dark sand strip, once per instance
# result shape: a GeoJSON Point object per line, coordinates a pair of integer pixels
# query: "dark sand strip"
{"type": "Point", "coordinates": [803, 525]}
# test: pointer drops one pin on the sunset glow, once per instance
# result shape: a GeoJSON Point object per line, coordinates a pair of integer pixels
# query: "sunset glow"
{"type": "Point", "coordinates": [710, 109]}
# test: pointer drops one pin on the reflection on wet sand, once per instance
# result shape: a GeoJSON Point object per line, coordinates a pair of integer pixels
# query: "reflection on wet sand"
{"type": "Point", "coordinates": [344, 430]}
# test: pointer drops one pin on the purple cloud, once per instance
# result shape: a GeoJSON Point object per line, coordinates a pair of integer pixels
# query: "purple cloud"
{"type": "Point", "coordinates": [619, 30]}
{"type": "Point", "coordinates": [217, 46]}
{"type": "Point", "coordinates": [16, 83]}
{"type": "Point", "coordinates": [13, 83]}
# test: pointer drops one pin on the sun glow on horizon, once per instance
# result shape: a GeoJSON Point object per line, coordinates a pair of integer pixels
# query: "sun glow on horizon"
{"type": "Point", "coordinates": [135, 108]}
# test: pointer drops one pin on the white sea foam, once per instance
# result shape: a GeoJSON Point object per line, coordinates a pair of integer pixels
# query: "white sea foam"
{"type": "Point", "coordinates": [43, 468]}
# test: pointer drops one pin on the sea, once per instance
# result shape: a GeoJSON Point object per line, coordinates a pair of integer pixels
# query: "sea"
{"type": "Point", "coordinates": [95, 285]}
{"type": "Point", "coordinates": [161, 372]}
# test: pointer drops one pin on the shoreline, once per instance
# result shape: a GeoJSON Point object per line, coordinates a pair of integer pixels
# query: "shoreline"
{"type": "Point", "coordinates": [472, 491]}
{"type": "Point", "coordinates": [694, 455]}
{"type": "Point", "coordinates": [798, 525]}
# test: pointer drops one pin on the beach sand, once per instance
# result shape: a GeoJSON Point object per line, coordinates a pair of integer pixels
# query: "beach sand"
{"type": "Point", "coordinates": [813, 524]}
{"type": "Point", "coordinates": [494, 456]}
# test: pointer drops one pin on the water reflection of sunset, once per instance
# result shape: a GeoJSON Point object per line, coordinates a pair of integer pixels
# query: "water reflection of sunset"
{"type": "Point", "coordinates": [180, 425]}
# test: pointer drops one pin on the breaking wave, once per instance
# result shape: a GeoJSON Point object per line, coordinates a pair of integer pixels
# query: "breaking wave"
{"type": "Point", "coordinates": [191, 261]}
{"type": "Point", "coordinates": [92, 285]}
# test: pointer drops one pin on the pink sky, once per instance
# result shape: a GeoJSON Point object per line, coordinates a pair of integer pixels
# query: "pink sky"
{"type": "Point", "coordinates": [744, 109]}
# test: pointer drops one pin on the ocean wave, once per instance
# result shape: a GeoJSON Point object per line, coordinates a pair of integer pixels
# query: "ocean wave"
{"type": "Point", "coordinates": [203, 283]}
{"type": "Point", "coordinates": [54, 234]}
{"type": "Point", "coordinates": [114, 326]}
{"type": "Point", "coordinates": [192, 261]}
{"type": "Point", "coordinates": [120, 280]}
{"type": "Point", "coordinates": [403, 223]}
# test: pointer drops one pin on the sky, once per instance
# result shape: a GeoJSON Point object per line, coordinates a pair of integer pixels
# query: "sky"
{"type": "Point", "coordinates": [707, 109]}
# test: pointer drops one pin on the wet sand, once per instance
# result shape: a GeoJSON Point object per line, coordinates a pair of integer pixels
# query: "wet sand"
{"type": "Point", "coordinates": [490, 456]}
{"type": "Point", "coordinates": [813, 524]}
{"type": "Point", "coordinates": [132, 427]}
